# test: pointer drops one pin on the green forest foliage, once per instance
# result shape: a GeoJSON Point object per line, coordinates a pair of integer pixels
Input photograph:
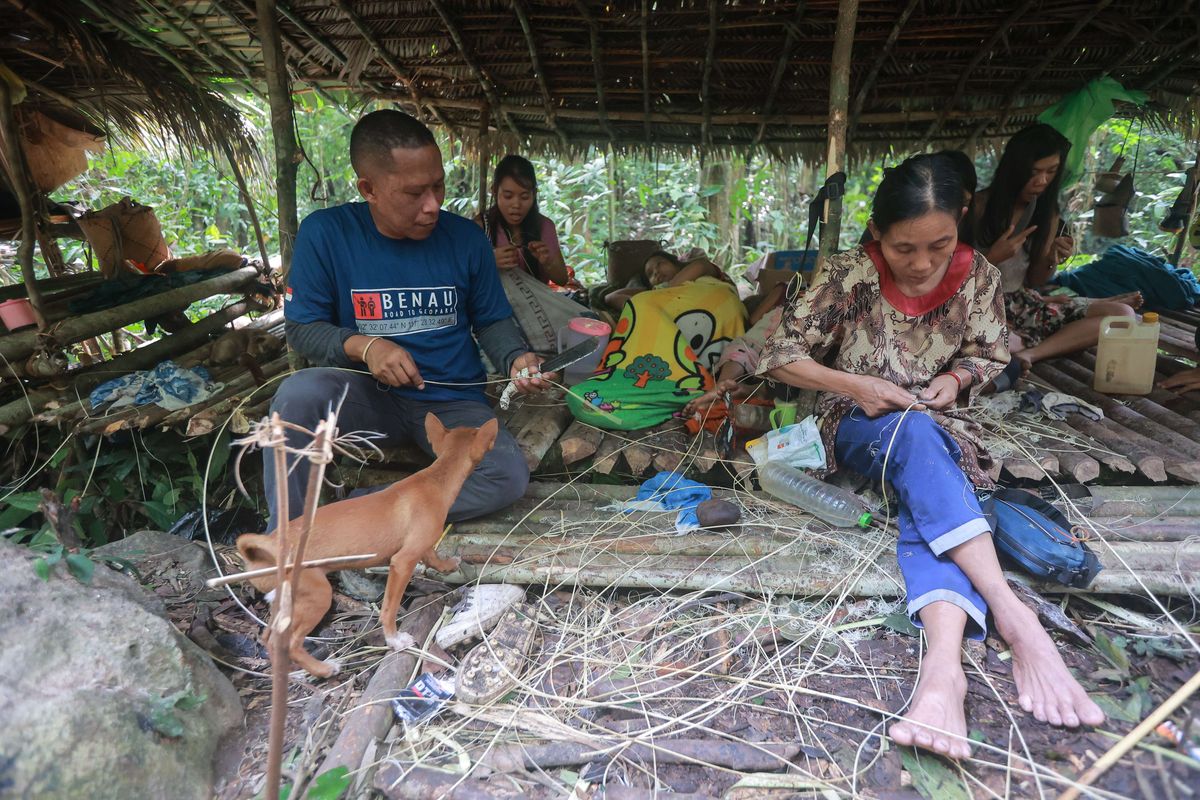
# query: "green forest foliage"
{"type": "Point", "coordinates": [736, 208]}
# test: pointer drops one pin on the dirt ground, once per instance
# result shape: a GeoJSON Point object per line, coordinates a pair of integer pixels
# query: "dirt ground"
{"type": "Point", "coordinates": [720, 671]}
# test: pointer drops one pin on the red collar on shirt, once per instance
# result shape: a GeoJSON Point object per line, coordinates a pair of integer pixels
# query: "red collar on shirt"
{"type": "Point", "coordinates": [952, 281]}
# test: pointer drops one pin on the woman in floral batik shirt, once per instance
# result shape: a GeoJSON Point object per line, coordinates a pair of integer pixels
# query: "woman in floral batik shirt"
{"type": "Point", "coordinates": [894, 332]}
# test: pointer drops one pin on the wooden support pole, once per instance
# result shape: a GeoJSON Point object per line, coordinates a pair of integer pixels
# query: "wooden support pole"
{"type": "Point", "coordinates": [18, 179]}
{"type": "Point", "coordinates": [489, 88]}
{"type": "Point", "coordinates": [705, 82]}
{"type": "Point", "coordinates": [980, 54]}
{"type": "Point", "coordinates": [839, 99]}
{"type": "Point", "coordinates": [248, 201]}
{"type": "Point", "coordinates": [485, 163]}
{"type": "Point", "coordinates": [597, 66]}
{"type": "Point", "coordinates": [283, 132]}
{"type": "Point", "coordinates": [790, 37]}
{"type": "Point", "coordinates": [539, 70]}
{"type": "Point", "coordinates": [644, 30]}
{"type": "Point", "coordinates": [860, 98]}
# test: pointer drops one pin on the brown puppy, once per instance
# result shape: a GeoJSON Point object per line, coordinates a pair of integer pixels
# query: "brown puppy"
{"type": "Point", "coordinates": [401, 525]}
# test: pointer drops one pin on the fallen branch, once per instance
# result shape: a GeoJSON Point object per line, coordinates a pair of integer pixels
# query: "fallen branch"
{"type": "Point", "coordinates": [709, 752]}
{"type": "Point", "coordinates": [373, 716]}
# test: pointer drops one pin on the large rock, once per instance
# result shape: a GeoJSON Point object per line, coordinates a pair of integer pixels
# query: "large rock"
{"type": "Point", "coordinates": [84, 670]}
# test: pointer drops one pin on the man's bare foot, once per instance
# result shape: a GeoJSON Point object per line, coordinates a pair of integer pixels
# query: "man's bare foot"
{"type": "Point", "coordinates": [936, 720]}
{"type": "Point", "coordinates": [1045, 687]}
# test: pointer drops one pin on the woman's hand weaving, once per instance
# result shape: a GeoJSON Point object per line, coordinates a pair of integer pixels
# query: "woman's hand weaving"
{"type": "Point", "coordinates": [507, 257]}
{"type": "Point", "coordinates": [941, 393]}
{"type": "Point", "coordinates": [876, 396]}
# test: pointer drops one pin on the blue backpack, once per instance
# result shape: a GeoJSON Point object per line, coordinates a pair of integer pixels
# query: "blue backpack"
{"type": "Point", "coordinates": [1035, 536]}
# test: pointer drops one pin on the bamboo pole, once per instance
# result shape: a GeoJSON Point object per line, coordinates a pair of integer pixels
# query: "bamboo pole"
{"type": "Point", "coordinates": [283, 134]}
{"type": "Point", "coordinates": [22, 409]}
{"type": "Point", "coordinates": [248, 201]}
{"type": "Point", "coordinates": [839, 99]}
{"type": "Point", "coordinates": [811, 574]}
{"type": "Point", "coordinates": [22, 345]}
{"type": "Point", "coordinates": [18, 178]}
{"type": "Point", "coordinates": [280, 624]}
{"type": "Point", "coordinates": [706, 75]}
{"type": "Point", "coordinates": [225, 580]}
{"type": "Point", "coordinates": [644, 36]}
{"type": "Point", "coordinates": [1177, 253]}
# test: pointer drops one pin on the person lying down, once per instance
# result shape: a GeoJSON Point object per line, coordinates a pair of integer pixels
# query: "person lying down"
{"type": "Point", "coordinates": [664, 346]}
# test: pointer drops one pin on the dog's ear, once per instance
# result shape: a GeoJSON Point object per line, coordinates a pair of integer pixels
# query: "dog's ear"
{"type": "Point", "coordinates": [485, 437]}
{"type": "Point", "coordinates": [257, 550]}
{"type": "Point", "coordinates": [435, 431]}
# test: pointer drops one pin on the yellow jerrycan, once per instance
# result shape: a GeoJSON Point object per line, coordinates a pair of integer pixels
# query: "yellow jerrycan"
{"type": "Point", "coordinates": [1127, 354]}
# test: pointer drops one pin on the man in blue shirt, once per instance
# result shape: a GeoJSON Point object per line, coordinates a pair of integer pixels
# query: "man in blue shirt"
{"type": "Point", "coordinates": [396, 287]}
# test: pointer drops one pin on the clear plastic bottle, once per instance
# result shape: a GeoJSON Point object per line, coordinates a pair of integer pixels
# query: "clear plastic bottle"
{"type": "Point", "coordinates": [833, 504]}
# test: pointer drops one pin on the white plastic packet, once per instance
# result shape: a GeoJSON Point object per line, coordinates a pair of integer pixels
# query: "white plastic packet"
{"type": "Point", "coordinates": [798, 445]}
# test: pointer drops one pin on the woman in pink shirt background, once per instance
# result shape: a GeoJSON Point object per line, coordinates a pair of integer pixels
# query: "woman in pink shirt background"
{"type": "Point", "coordinates": [522, 237]}
{"type": "Point", "coordinates": [540, 286]}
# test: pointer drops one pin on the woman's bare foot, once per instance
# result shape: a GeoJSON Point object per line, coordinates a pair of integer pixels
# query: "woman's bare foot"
{"type": "Point", "coordinates": [1132, 299]}
{"type": "Point", "coordinates": [1045, 687]}
{"type": "Point", "coordinates": [936, 720]}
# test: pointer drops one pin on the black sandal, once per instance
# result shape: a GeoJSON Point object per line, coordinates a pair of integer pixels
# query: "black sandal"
{"type": "Point", "coordinates": [1009, 377]}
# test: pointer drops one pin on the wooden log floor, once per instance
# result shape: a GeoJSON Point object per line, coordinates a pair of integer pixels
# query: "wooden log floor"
{"type": "Point", "coordinates": [1153, 439]}
{"type": "Point", "coordinates": [569, 534]}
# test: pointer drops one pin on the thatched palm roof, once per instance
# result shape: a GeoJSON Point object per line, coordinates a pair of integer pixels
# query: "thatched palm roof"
{"type": "Point", "coordinates": [67, 60]}
{"type": "Point", "coordinates": [569, 73]}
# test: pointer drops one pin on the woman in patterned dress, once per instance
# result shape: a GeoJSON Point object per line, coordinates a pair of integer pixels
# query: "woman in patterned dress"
{"type": "Point", "coordinates": [894, 333]}
{"type": "Point", "coordinates": [1017, 226]}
